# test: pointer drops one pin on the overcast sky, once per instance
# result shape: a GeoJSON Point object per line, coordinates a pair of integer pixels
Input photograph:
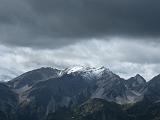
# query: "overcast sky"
{"type": "Point", "coordinates": [123, 35]}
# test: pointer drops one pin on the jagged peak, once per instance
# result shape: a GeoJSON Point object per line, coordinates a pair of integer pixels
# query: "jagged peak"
{"type": "Point", "coordinates": [137, 78]}
{"type": "Point", "coordinates": [156, 78]}
{"type": "Point", "coordinates": [140, 78]}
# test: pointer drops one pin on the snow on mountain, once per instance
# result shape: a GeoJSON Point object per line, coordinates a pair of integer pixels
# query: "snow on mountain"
{"type": "Point", "coordinates": [87, 72]}
{"type": "Point", "coordinates": [102, 82]}
{"type": "Point", "coordinates": [74, 69]}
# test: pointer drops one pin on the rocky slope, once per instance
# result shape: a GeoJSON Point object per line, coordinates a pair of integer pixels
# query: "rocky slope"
{"type": "Point", "coordinates": [8, 102]}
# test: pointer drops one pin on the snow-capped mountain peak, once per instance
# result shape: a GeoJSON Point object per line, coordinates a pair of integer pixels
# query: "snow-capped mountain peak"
{"type": "Point", "coordinates": [87, 71]}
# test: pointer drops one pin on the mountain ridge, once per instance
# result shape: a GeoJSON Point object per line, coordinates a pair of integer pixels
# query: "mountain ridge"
{"type": "Point", "coordinates": [46, 90]}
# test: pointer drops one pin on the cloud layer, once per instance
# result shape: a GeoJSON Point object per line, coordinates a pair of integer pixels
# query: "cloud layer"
{"type": "Point", "coordinates": [55, 23]}
{"type": "Point", "coordinates": [123, 35]}
{"type": "Point", "coordinates": [126, 58]}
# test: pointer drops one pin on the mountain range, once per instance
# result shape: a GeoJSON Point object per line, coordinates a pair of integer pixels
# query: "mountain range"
{"type": "Point", "coordinates": [79, 93]}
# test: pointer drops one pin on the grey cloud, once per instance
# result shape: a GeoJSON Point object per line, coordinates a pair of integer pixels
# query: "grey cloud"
{"type": "Point", "coordinates": [54, 23]}
{"type": "Point", "coordinates": [117, 56]}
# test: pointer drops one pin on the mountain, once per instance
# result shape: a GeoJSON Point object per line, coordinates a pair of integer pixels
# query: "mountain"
{"type": "Point", "coordinates": [136, 83]}
{"type": "Point", "coordinates": [153, 90]}
{"type": "Point", "coordinates": [73, 86]}
{"type": "Point", "coordinates": [99, 109]}
{"type": "Point", "coordinates": [28, 79]}
{"type": "Point", "coordinates": [113, 88]}
{"type": "Point", "coordinates": [149, 107]}
{"type": "Point", "coordinates": [93, 109]}
{"type": "Point", "coordinates": [48, 96]}
{"type": "Point", "coordinates": [80, 93]}
{"type": "Point", "coordinates": [8, 102]}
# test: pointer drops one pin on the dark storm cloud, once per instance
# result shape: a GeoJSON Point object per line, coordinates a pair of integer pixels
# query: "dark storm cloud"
{"type": "Point", "coordinates": [89, 17]}
{"type": "Point", "coordinates": [51, 23]}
